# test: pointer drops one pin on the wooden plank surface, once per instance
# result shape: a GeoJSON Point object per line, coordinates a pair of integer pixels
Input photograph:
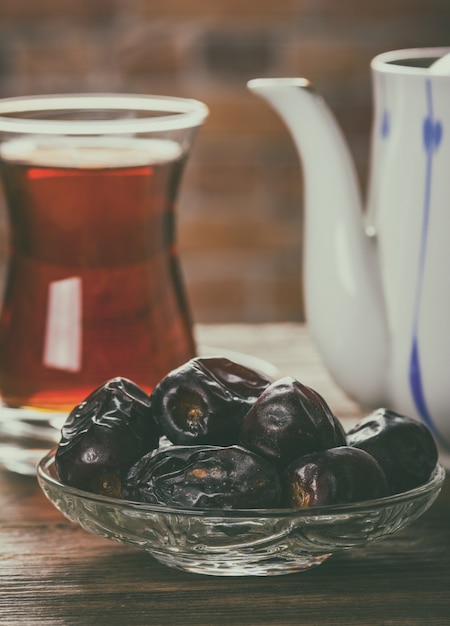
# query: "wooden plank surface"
{"type": "Point", "coordinates": [53, 572]}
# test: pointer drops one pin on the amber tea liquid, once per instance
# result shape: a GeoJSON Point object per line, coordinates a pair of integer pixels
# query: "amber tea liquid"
{"type": "Point", "coordinates": [94, 288]}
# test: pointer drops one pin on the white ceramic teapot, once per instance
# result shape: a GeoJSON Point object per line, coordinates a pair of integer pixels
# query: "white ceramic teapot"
{"type": "Point", "coordinates": [377, 283]}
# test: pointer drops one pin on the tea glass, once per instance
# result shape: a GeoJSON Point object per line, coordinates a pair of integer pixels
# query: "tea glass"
{"type": "Point", "coordinates": [93, 285]}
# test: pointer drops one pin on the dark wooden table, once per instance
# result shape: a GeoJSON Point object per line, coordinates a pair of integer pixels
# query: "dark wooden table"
{"type": "Point", "coordinates": [53, 572]}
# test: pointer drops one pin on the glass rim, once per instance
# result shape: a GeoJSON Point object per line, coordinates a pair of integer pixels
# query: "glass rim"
{"type": "Point", "coordinates": [174, 113]}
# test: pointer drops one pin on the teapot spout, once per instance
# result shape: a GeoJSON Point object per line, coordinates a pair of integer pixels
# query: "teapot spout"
{"type": "Point", "coordinates": [345, 307]}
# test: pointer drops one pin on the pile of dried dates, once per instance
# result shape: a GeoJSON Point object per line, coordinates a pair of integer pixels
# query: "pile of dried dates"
{"type": "Point", "coordinates": [217, 435]}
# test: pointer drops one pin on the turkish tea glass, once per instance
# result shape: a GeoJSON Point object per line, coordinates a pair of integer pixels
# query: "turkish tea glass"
{"type": "Point", "coordinates": [93, 285]}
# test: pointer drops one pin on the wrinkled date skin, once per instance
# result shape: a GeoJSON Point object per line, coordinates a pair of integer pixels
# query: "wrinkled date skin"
{"type": "Point", "coordinates": [204, 477]}
{"type": "Point", "coordinates": [104, 435]}
{"type": "Point", "coordinates": [289, 420]}
{"type": "Point", "coordinates": [203, 401]}
{"type": "Point", "coordinates": [337, 476]}
{"type": "Point", "coordinates": [403, 447]}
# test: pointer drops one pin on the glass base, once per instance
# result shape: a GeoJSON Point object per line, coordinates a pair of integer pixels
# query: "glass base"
{"type": "Point", "coordinates": [275, 566]}
{"type": "Point", "coordinates": [27, 434]}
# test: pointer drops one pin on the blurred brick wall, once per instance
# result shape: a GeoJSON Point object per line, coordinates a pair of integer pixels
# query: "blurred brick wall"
{"type": "Point", "coordinates": [240, 212]}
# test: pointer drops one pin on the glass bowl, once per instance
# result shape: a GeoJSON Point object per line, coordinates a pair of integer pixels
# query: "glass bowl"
{"type": "Point", "coordinates": [238, 542]}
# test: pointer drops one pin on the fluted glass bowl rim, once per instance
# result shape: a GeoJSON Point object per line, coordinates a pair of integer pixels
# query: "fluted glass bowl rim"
{"type": "Point", "coordinates": [46, 473]}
